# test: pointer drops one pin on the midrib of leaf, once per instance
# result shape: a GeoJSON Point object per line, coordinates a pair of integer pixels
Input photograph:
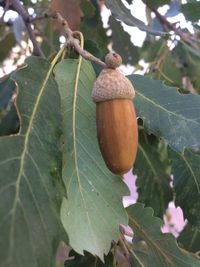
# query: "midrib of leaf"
{"type": "Point", "coordinates": [74, 139]}
{"type": "Point", "coordinates": [193, 175]}
{"type": "Point", "coordinates": [164, 109]}
{"type": "Point", "coordinates": [151, 241]}
{"type": "Point", "coordinates": [24, 151]}
{"type": "Point", "coordinates": [152, 168]}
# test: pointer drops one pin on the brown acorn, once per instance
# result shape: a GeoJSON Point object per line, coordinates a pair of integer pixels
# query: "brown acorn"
{"type": "Point", "coordinates": [116, 121]}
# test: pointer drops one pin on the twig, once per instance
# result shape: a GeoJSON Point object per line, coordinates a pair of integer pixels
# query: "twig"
{"type": "Point", "coordinates": [43, 17]}
{"type": "Point", "coordinates": [17, 6]}
{"type": "Point", "coordinates": [73, 42]}
{"type": "Point", "coordinates": [169, 26]}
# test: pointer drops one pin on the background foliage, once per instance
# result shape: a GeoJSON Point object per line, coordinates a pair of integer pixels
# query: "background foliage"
{"type": "Point", "coordinates": [54, 185]}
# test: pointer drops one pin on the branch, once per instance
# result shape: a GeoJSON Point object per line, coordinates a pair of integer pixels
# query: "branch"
{"type": "Point", "coordinates": [72, 42]}
{"type": "Point", "coordinates": [169, 26]}
{"type": "Point", "coordinates": [42, 17]}
{"type": "Point", "coordinates": [18, 7]}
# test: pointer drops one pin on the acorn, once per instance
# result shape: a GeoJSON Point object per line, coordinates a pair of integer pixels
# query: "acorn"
{"type": "Point", "coordinates": [116, 121]}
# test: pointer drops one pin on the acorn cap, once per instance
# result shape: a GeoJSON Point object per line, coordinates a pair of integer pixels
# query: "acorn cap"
{"type": "Point", "coordinates": [111, 84]}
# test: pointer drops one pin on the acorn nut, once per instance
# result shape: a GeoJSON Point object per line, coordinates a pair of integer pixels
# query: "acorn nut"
{"type": "Point", "coordinates": [116, 122]}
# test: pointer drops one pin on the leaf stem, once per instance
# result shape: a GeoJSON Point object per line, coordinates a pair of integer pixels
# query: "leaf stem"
{"type": "Point", "coordinates": [58, 55]}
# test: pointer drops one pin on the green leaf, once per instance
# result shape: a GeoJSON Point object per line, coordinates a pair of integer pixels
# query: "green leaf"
{"type": "Point", "coordinates": [167, 113]}
{"type": "Point", "coordinates": [93, 31]}
{"type": "Point", "coordinates": [190, 238]}
{"type": "Point", "coordinates": [185, 168]}
{"type": "Point", "coordinates": [171, 73]}
{"type": "Point", "coordinates": [50, 44]}
{"type": "Point", "coordinates": [88, 260]}
{"type": "Point", "coordinates": [168, 72]}
{"type": "Point", "coordinates": [189, 60]}
{"type": "Point", "coordinates": [152, 177]}
{"type": "Point", "coordinates": [6, 44]}
{"type": "Point", "coordinates": [87, 8]}
{"type": "Point", "coordinates": [123, 45]}
{"type": "Point", "coordinates": [7, 109]}
{"type": "Point", "coordinates": [191, 11]}
{"type": "Point", "coordinates": [7, 88]}
{"type": "Point", "coordinates": [93, 210]}
{"type": "Point", "coordinates": [9, 124]}
{"type": "Point", "coordinates": [150, 246]}
{"type": "Point", "coordinates": [30, 172]}
{"type": "Point", "coordinates": [152, 51]}
{"type": "Point", "coordinates": [122, 13]}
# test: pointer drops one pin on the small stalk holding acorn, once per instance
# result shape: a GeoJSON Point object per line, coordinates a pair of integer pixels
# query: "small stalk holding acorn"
{"type": "Point", "coordinates": [116, 121]}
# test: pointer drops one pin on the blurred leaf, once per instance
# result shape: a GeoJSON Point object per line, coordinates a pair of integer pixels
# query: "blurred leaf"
{"type": "Point", "coordinates": [151, 51]}
{"type": "Point", "coordinates": [191, 11]}
{"type": "Point", "coordinates": [88, 260]}
{"type": "Point", "coordinates": [92, 29]}
{"type": "Point", "coordinates": [122, 13]}
{"type": "Point", "coordinates": [189, 238]}
{"type": "Point", "coordinates": [50, 42]}
{"type": "Point", "coordinates": [9, 124]}
{"type": "Point", "coordinates": [152, 178]}
{"type": "Point", "coordinates": [185, 169]}
{"type": "Point", "coordinates": [189, 59]}
{"type": "Point", "coordinates": [88, 8]}
{"type": "Point", "coordinates": [93, 209]}
{"type": "Point", "coordinates": [167, 113]}
{"type": "Point", "coordinates": [171, 73]}
{"type": "Point", "coordinates": [168, 71]}
{"type": "Point", "coordinates": [91, 46]}
{"type": "Point", "coordinates": [31, 194]}
{"type": "Point", "coordinates": [6, 44]}
{"type": "Point", "coordinates": [4, 31]}
{"type": "Point", "coordinates": [123, 45]}
{"type": "Point", "coordinates": [156, 3]}
{"type": "Point", "coordinates": [7, 88]}
{"type": "Point", "coordinates": [193, 51]}
{"type": "Point", "coordinates": [150, 246]}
